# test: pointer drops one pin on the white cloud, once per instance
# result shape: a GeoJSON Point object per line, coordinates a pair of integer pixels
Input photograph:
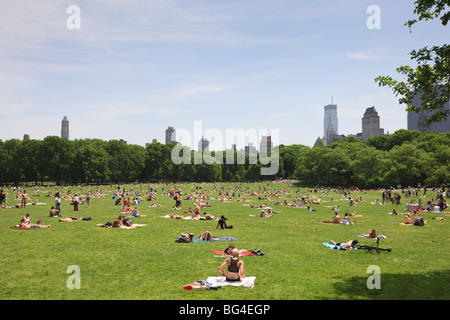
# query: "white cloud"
{"type": "Point", "coordinates": [371, 56]}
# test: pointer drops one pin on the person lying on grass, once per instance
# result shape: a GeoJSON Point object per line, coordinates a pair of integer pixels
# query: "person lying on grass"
{"type": "Point", "coordinates": [24, 225]}
{"type": "Point", "coordinates": [207, 216]}
{"type": "Point", "coordinates": [264, 214]}
{"type": "Point", "coordinates": [118, 223]}
{"type": "Point", "coordinates": [349, 245]}
{"type": "Point", "coordinates": [70, 219]}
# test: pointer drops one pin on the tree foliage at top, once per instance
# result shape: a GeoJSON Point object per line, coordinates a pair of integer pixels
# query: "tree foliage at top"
{"type": "Point", "coordinates": [431, 77]}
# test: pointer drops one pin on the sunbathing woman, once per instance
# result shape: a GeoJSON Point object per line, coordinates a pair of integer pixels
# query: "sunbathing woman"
{"type": "Point", "coordinates": [346, 220]}
{"type": "Point", "coordinates": [235, 267]}
{"type": "Point", "coordinates": [371, 235]}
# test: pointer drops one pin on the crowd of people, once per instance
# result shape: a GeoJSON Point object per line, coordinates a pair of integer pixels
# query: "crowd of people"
{"type": "Point", "coordinates": [129, 199]}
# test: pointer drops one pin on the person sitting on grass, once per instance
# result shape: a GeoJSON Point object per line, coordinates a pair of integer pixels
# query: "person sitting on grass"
{"type": "Point", "coordinates": [371, 235]}
{"type": "Point", "coordinates": [54, 212]}
{"type": "Point", "coordinates": [206, 236]}
{"type": "Point", "coordinates": [336, 218]}
{"type": "Point", "coordinates": [346, 220]}
{"type": "Point", "coordinates": [408, 219]}
{"type": "Point", "coordinates": [420, 222]}
{"type": "Point", "coordinates": [135, 213]}
{"type": "Point", "coordinates": [222, 224]}
{"type": "Point", "coordinates": [235, 267]}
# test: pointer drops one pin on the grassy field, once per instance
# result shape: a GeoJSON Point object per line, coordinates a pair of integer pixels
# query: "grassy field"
{"type": "Point", "coordinates": [147, 264]}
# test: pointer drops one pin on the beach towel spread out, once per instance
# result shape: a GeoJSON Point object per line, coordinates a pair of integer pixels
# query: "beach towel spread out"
{"type": "Point", "coordinates": [248, 282]}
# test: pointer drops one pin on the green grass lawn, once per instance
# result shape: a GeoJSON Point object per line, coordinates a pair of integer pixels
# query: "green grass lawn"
{"type": "Point", "coordinates": [146, 263]}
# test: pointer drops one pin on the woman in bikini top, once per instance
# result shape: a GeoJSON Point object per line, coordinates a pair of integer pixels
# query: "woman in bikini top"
{"type": "Point", "coordinates": [235, 267]}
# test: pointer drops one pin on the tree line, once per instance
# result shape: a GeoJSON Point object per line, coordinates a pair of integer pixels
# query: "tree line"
{"type": "Point", "coordinates": [404, 158]}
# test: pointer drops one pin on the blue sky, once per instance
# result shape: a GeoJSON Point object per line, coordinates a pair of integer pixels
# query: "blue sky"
{"type": "Point", "coordinates": [136, 67]}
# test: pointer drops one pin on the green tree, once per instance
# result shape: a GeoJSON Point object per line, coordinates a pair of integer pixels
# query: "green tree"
{"type": "Point", "coordinates": [431, 77]}
{"type": "Point", "coordinates": [6, 164]}
{"type": "Point", "coordinates": [58, 156]}
{"type": "Point", "coordinates": [289, 156]}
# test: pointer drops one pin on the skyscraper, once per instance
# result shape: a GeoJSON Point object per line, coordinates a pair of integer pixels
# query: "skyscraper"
{"type": "Point", "coordinates": [203, 144]}
{"type": "Point", "coordinates": [330, 123]}
{"type": "Point", "coordinates": [170, 135]}
{"type": "Point", "coordinates": [65, 128]}
{"type": "Point", "coordinates": [416, 119]}
{"type": "Point", "coordinates": [266, 144]}
{"type": "Point", "coordinates": [370, 124]}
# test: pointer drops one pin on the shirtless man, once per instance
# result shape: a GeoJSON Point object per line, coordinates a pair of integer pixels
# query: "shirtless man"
{"type": "Point", "coordinates": [349, 245]}
{"type": "Point", "coordinates": [336, 218]}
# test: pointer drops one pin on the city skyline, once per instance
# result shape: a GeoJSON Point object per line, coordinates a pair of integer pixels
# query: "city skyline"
{"type": "Point", "coordinates": [132, 69]}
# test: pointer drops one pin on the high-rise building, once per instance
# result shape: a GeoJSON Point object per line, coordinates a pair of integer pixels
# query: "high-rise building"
{"type": "Point", "coordinates": [416, 119]}
{"type": "Point", "coordinates": [170, 135]}
{"type": "Point", "coordinates": [203, 144]}
{"type": "Point", "coordinates": [250, 149]}
{"type": "Point", "coordinates": [330, 123]}
{"type": "Point", "coordinates": [266, 144]}
{"type": "Point", "coordinates": [65, 128]}
{"type": "Point", "coordinates": [370, 124]}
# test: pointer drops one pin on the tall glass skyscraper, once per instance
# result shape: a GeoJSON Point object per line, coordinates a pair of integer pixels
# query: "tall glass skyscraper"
{"type": "Point", "coordinates": [330, 123]}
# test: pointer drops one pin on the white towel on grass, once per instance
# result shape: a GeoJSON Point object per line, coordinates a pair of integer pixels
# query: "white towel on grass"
{"type": "Point", "coordinates": [248, 282]}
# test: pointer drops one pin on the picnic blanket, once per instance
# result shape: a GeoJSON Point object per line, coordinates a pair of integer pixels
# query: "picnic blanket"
{"type": "Point", "coordinates": [333, 246]}
{"type": "Point", "coordinates": [248, 282]}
